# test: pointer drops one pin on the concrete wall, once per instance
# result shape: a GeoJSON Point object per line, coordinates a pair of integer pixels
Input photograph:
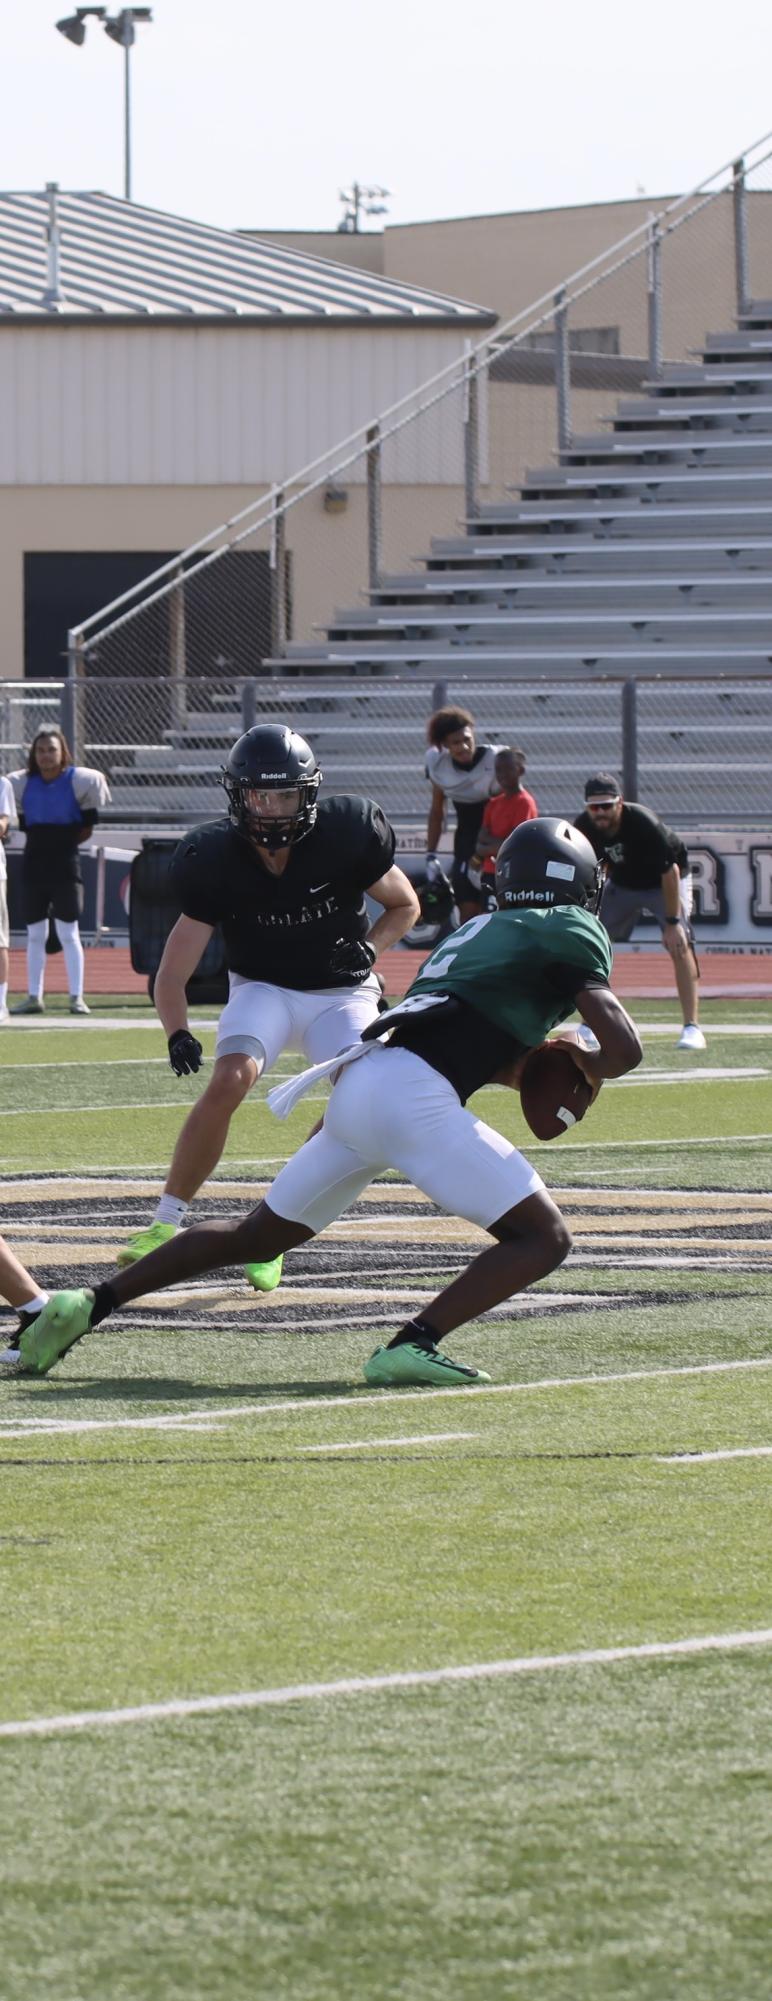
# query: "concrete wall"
{"type": "Point", "coordinates": [506, 262]}
{"type": "Point", "coordinates": [329, 551]}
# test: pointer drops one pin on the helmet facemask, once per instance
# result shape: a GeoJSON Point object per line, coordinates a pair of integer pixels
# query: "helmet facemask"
{"type": "Point", "coordinates": [270, 830]}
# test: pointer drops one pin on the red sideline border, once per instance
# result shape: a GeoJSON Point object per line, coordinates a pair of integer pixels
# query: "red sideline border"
{"type": "Point", "coordinates": [643, 975]}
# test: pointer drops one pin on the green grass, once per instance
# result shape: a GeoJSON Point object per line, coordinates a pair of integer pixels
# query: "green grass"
{"type": "Point", "coordinates": [583, 1832]}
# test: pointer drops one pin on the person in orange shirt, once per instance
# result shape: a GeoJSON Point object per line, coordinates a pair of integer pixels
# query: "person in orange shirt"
{"type": "Point", "coordinates": [502, 814]}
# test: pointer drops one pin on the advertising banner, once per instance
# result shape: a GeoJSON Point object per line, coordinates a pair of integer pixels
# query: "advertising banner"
{"type": "Point", "coordinates": [732, 877]}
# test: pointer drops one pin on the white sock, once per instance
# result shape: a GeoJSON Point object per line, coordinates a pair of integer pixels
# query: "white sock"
{"type": "Point", "coordinates": [3, 993]}
{"type": "Point", "coordinates": [171, 1210]}
{"type": "Point", "coordinates": [69, 939]}
{"type": "Point", "coordinates": [36, 957]}
{"type": "Point", "coordinates": [35, 1305]}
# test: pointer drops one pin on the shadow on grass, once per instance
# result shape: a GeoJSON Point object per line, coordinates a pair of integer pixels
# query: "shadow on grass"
{"type": "Point", "coordinates": [157, 1389]}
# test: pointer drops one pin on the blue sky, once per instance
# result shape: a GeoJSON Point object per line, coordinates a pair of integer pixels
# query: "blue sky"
{"type": "Point", "coordinates": [247, 115]}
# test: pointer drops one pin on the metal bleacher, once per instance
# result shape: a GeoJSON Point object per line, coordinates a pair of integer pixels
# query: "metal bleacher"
{"type": "Point", "coordinates": [644, 552]}
{"type": "Point", "coordinates": [612, 610]}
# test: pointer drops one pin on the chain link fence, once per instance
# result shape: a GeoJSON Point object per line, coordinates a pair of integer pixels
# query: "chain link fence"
{"type": "Point", "coordinates": [698, 752]}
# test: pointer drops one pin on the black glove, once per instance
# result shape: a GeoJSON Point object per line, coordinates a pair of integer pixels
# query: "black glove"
{"type": "Point", "coordinates": [185, 1053]}
{"type": "Point", "coordinates": [353, 956]}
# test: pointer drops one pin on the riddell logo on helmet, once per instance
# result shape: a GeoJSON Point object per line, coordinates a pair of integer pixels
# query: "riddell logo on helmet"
{"type": "Point", "coordinates": [530, 895]}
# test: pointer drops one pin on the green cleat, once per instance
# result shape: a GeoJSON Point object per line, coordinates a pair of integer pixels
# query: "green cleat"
{"type": "Point", "coordinates": [63, 1321]}
{"type": "Point", "coordinates": [145, 1241]}
{"type": "Point", "coordinates": [264, 1278]}
{"type": "Point", "coordinates": [395, 1368]}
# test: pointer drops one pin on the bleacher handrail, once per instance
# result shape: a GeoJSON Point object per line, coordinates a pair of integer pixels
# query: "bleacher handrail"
{"type": "Point", "coordinates": [282, 496]}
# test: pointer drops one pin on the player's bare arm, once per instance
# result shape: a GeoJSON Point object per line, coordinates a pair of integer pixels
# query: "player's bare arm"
{"type": "Point", "coordinates": [620, 1044]}
{"type": "Point", "coordinates": [184, 948]}
{"type": "Point", "coordinates": [675, 937]}
{"type": "Point", "coordinates": [436, 819]}
{"type": "Point", "coordinates": [401, 909]}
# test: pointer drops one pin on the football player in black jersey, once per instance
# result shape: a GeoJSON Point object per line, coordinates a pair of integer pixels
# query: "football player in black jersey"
{"type": "Point", "coordinates": [284, 876]}
{"type": "Point", "coordinates": [489, 992]}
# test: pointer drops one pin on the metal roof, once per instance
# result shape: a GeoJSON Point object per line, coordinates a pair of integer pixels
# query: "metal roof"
{"type": "Point", "coordinates": [93, 257]}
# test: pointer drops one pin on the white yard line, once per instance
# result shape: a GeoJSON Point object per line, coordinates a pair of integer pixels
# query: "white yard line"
{"type": "Point", "coordinates": [706, 1076]}
{"type": "Point", "coordinates": [713, 1028]}
{"type": "Point", "coordinates": [637, 1145]}
{"type": "Point", "coordinates": [285, 1065]}
{"type": "Point", "coordinates": [377, 1684]}
{"type": "Point", "coordinates": [33, 1427]}
{"type": "Point", "coordinates": [705, 1458]}
{"type": "Point", "coordinates": [136, 1105]}
{"type": "Point", "coordinates": [52, 1024]}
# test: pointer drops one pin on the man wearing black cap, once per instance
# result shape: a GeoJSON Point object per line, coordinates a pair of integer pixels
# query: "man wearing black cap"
{"type": "Point", "coordinates": [647, 868]}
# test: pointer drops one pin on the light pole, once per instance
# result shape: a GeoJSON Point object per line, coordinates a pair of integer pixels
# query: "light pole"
{"type": "Point", "coordinates": [121, 28]}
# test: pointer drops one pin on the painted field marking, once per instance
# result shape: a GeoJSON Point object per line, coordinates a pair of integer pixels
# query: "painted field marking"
{"type": "Point", "coordinates": [283, 1064]}
{"type": "Point", "coordinates": [376, 1684]}
{"type": "Point", "coordinates": [148, 1022]}
{"type": "Point", "coordinates": [32, 1427]}
{"type": "Point", "coordinates": [660, 1145]}
{"type": "Point", "coordinates": [138, 1105]}
{"type": "Point", "coordinates": [703, 1458]}
{"type": "Point", "coordinates": [365, 1444]}
{"type": "Point", "coordinates": [713, 1075]}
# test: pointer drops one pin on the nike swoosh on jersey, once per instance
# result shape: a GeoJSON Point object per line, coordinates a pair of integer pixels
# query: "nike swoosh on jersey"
{"type": "Point", "coordinates": [315, 888]}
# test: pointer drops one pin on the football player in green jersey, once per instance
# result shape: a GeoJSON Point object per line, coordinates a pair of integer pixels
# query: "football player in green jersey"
{"type": "Point", "coordinates": [490, 992]}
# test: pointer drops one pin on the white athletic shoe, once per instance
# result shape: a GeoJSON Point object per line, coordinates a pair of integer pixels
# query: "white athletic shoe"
{"type": "Point", "coordinates": [5, 1015]}
{"type": "Point", "coordinates": [691, 1037]}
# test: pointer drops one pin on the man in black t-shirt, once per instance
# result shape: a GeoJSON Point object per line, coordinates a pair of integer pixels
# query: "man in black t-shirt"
{"type": "Point", "coordinates": [284, 877]}
{"type": "Point", "coordinates": [647, 868]}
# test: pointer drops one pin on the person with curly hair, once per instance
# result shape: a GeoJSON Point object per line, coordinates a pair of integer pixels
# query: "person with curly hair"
{"type": "Point", "coordinates": [462, 770]}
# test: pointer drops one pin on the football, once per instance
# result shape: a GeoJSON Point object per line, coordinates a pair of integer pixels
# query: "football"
{"type": "Point", "coordinates": [553, 1093]}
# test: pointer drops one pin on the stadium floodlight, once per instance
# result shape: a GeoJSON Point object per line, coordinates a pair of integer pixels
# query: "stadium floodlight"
{"type": "Point", "coordinates": [73, 29]}
{"type": "Point", "coordinates": [121, 28]}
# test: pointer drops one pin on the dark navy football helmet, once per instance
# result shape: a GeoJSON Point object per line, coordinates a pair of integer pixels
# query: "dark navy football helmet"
{"type": "Point", "coordinates": [435, 895]}
{"type": "Point", "coordinates": [545, 863]}
{"type": "Point", "coordinates": [271, 758]}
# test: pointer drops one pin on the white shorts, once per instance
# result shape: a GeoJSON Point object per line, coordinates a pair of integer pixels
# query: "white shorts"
{"type": "Point", "coordinates": [390, 1109]}
{"type": "Point", "coordinates": [4, 932]}
{"type": "Point", "coordinates": [260, 1020]}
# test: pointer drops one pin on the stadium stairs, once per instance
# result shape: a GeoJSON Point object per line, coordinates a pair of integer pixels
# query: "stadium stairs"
{"type": "Point", "coordinates": [644, 552]}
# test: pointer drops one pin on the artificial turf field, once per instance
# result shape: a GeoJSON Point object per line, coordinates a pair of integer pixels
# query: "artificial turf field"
{"type": "Point", "coordinates": [205, 1501]}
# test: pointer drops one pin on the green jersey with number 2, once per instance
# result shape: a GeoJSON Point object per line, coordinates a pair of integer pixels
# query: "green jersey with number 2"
{"type": "Point", "coordinates": [520, 968]}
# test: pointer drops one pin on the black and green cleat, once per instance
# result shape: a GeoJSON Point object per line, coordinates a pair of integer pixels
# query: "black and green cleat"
{"type": "Point", "coordinates": [396, 1368]}
{"type": "Point", "coordinates": [63, 1321]}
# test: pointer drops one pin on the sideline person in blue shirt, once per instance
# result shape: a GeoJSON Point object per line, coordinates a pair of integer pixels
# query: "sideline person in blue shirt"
{"type": "Point", "coordinates": [58, 804]}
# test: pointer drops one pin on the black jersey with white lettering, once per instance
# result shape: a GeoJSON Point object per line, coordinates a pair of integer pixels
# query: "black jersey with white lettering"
{"type": "Point", "coordinates": [286, 928]}
{"type": "Point", "coordinates": [641, 850]}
